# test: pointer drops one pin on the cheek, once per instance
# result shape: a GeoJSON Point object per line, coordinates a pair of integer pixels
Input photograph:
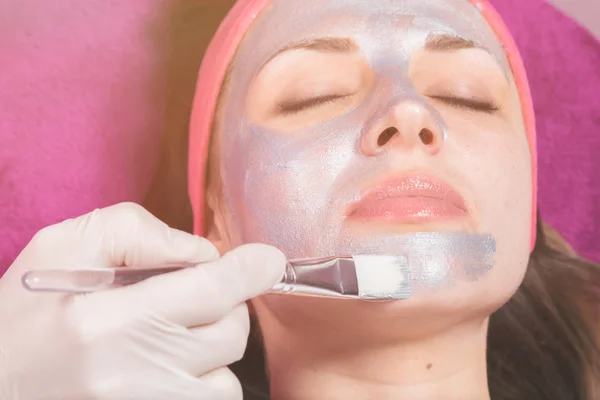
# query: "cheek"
{"type": "Point", "coordinates": [497, 163]}
{"type": "Point", "coordinates": [281, 196]}
{"type": "Point", "coordinates": [504, 185]}
{"type": "Point", "coordinates": [286, 184]}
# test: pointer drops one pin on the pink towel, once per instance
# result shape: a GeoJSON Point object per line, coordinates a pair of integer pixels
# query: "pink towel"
{"type": "Point", "coordinates": [82, 101]}
{"type": "Point", "coordinates": [563, 63]}
{"type": "Point", "coordinates": [80, 110]}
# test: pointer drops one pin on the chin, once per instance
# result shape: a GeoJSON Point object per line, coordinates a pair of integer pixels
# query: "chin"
{"type": "Point", "coordinates": [421, 314]}
{"type": "Point", "coordinates": [425, 312]}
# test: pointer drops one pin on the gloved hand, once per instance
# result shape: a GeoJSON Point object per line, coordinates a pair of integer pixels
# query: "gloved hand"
{"type": "Point", "coordinates": [169, 337]}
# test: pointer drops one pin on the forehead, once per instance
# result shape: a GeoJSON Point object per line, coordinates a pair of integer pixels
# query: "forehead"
{"type": "Point", "coordinates": [391, 22]}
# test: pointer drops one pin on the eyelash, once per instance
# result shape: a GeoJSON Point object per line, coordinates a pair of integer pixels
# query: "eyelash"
{"type": "Point", "coordinates": [487, 107]}
{"type": "Point", "coordinates": [295, 107]}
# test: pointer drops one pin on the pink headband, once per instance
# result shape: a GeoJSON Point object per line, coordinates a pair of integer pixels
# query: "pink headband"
{"type": "Point", "coordinates": [221, 51]}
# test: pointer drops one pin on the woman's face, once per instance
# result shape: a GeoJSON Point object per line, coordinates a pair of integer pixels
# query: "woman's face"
{"type": "Point", "coordinates": [348, 123]}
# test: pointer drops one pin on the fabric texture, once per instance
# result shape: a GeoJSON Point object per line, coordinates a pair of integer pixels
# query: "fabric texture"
{"type": "Point", "coordinates": [563, 63]}
{"type": "Point", "coordinates": [82, 104]}
{"type": "Point", "coordinates": [80, 112]}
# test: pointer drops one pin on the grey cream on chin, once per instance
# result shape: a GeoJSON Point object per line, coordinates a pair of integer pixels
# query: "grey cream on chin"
{"type": "Point", "coordinates": [422, 262]}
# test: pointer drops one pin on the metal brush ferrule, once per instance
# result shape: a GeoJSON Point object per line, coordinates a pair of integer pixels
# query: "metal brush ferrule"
{"type": "Point", "coordinates": [331, 277]}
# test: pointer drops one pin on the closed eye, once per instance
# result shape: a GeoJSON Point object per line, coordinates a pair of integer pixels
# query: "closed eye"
{"type": "Point", "coordinates": [488, 107]}
{"type": "Point", "coordinates": [295, 106]}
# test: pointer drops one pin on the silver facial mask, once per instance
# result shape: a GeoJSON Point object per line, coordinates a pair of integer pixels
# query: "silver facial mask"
{"type": "Point", "coordinates": [289, 189]}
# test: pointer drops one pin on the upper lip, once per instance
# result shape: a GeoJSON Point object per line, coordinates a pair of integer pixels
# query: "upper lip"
{"type": "Point", "coordinates": [423, 185]}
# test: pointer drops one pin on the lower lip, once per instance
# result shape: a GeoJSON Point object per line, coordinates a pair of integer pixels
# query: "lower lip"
{"type": "Point", "coordinates": [407, 210]}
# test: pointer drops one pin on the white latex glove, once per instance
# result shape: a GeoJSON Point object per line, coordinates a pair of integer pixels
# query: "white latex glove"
{"type": "Point", "coordinates": [168, 338]}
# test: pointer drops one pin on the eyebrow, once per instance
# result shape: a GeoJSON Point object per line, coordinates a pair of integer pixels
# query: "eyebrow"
{"type": "Point", "coordinates": [434, 42]}
{"type": "Point", "coordinates": [449, 43]}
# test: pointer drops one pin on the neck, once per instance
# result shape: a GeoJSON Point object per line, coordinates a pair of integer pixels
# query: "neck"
{"type": "Point", "coordinates": [316, 363]}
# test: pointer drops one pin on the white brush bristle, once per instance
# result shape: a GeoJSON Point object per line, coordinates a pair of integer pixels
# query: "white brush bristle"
{"type": "Point", "coordinates": [382, 276]}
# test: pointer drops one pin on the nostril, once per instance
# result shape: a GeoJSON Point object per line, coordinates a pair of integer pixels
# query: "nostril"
{"type": "Point", "coordinates": [426, 136]}
{"type": "Point", "coordinates": [386, 136]}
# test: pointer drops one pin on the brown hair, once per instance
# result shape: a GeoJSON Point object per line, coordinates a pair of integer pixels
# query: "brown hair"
{"type": "Point", "coordinates": [541, 345]}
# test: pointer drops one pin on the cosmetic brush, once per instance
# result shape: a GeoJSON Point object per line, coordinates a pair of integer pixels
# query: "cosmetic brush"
{"type": "Point", "coordinates": [364, 277]}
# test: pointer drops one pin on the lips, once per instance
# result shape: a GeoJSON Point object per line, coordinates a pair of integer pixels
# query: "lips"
{"type": "Point", "coordinates": [410, 199]}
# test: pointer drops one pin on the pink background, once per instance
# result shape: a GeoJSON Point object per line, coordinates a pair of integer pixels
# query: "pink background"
{"type": "Point", "coordinates": [90, 89]}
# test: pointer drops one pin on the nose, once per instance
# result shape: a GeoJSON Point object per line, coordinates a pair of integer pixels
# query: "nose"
{"type": "Point", "coordinates": [408, 125]}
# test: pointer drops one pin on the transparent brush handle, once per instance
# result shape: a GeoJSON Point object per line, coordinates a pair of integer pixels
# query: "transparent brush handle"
{"type": "Point", "coordinates": [91, 279]}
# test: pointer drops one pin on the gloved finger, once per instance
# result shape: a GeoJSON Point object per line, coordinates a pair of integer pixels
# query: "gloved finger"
{"type": "Point", "coordinates": [206, 293]}
{"type": "Point", "coordinates": [220, 344]}
{"type": "Point", "coordinates": [202, 349]}
{"type": "Point", "coordinates": [122, 235]}
{"type": "Point", "coordinates": [173, 384]}
{"type": "Point", "coordinates": [220, 384]}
